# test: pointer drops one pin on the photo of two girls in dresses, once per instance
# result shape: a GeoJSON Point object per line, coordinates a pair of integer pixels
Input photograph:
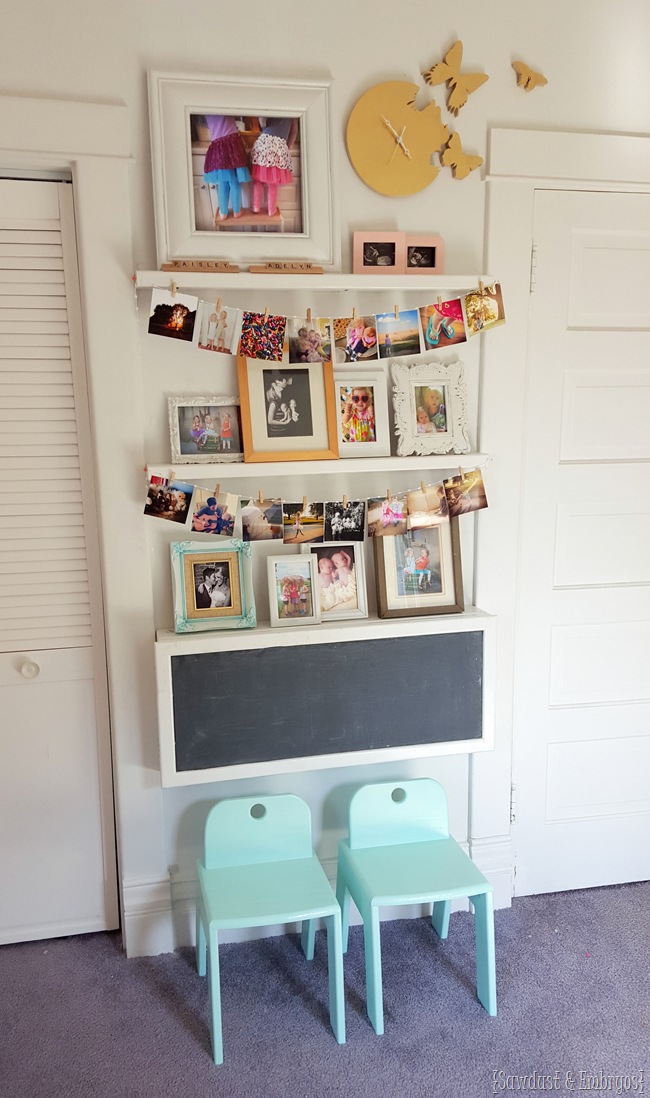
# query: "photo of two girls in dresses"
{"type": "Point", "coordinates": [249, 167]}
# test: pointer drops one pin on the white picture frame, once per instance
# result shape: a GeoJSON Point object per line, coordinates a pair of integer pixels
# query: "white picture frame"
{"type": "Point", "coordinates": [360, 377]}
{"type": "Point", "coordinates": [417, 388]}
{"type": "Point", "coordinates": [173, 100]}
{"type": "Point", "coordinates": [285, 607]}
{"type": "Point", "coordinates": [335, 603]}
{"type": "Point", "coordinates": [182, 413]}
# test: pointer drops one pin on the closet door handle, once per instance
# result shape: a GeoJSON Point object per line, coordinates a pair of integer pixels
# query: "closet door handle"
{"type": "Point", "coordinates": [30, 670]}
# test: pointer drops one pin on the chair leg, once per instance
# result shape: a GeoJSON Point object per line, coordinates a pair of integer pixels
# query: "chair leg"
{"type": "Point", "coordinates": [308, 938]}
{"type": "Point", "coordinates": [335, 975]}
{"type": "Point", "coordinates": [486, 981]}
{"type": "Point", "coordinates": [372, 945]}
{"type": "Point", "coordinates": [440, 917]}
{"type": "Point", "coordinates": [214, 985]}
{"type": "Point", "coordinates": [200, 942]}
{"type": "Point", "coordinates": [343, 897]}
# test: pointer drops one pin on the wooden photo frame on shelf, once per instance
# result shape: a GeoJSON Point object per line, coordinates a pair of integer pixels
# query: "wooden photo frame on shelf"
{"type": "Point", "coordinates": [293, 595]}
{"type": "Point", "coordinates": [203, 125]}
{"type": "Point", "coordinates": [430, 403]}
{"type": "Point", "coordinates": [288, 411]}
{"type": "Point", "coordinates": [341, 579]}
{"type": "Point", "coordinates": [212, 585]}
{"type": "Point", "coordinates": [419, 572]}
{"type": "Point", "coordinates": [362, 411]}
{"type": "Point", "coordinates": [379, 253]}
{"type": "Point", "coordinates": [204, 429]}
{"type": "Point", "coordinates": [425, 254]}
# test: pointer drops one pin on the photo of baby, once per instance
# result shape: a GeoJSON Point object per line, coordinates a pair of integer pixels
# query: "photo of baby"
{"type": "Point", "coordinates": [341, 588]}
{"type": "Point", "coordinates": [310, 339]}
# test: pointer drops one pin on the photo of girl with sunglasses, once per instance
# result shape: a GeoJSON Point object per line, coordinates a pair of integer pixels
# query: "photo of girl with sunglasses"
{"type": "Point", "coordinates": [357, 414]}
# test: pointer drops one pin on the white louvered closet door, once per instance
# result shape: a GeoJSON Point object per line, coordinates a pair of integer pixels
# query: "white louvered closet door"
{"type": "Point", "coordinates": [57, 848]}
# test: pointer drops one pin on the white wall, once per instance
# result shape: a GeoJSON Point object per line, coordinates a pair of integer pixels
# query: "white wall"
{"type": "Point", "coordinates": [596, 62]}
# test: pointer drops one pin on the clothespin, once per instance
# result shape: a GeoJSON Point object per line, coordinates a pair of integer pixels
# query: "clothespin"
{"type": "Point", "coordinates": [438, 303]}
{"type": "Point", "coordinates": [423, 488]}
{"type": "Point", "coordinates": [217, 489]}
{"type": "Point", "coordinates": [461, 470]}
{"type": "Point", "coordinates": [266, 313]}
{"type": "Point", "coordinates": [397, 312]}
{"type": "Point", "coordinates": [309, 316]}
{"type": "Point", "coordinates": [345, 501]}
{"type": "Point", "coordinates": [218, 305]}
{"type": "Point", "coordinates": [389, 495]}
{"type": "Point", "coordinates": [304, 503]}
{"type": "Point", "coordinates": [260, 497]}
{"type": "Point", "coordinates": [172, 476]}
{"type": "Point", "coordinates": [481, 289]}
{"type": "Point", "coordinates": [354, 312]}
{"type": "Point", "coordinates": [173, 289]}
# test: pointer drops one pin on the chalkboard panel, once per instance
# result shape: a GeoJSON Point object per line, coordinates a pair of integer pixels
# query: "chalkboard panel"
{"type": "Point", "coordinates": [279, 703]}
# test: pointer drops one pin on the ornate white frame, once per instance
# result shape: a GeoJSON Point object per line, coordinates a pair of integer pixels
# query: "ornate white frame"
{"type": "Point", "coordinates": [173, 404]}
{"type": "Point", "coordinates": [222, 547]}
{"type": "Point", "coordinates": [172, 99]}
{"type": "Point", "coordinates": [406, 375]}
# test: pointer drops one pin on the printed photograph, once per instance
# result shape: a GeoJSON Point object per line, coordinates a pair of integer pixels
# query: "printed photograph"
{"type": "Point", "coordinates": [465, 493]}
{"type": "Point", "coordinates": [430, 409]}
{"type": "Point", "coordinates": [484, 310]}
{"type": "Point", "coordinates": [218, 329]}
{"type": "Point", "coordinates": [387, 517]}
{"type": "Point", "coordinates": [417, 563]}
{"type": "Point", "coordinates": [261, 520]}
{"type": "Point", "coordinates": [212, 586]}
{"type": "Point", "coordinates": [357, 413]}
{"type": "Point", "coordinates": [337, 578]}
{"type": "Point", "coordinates": [303, 523]}
{"type": "Point", "coordinates": [345, 521]}
{"type": "Point", "coordinates": [293, 588]}
{"type": "Point", "coordinates": [442, 324]}
{"type": "Point", "coordinates": [420, 256]}
{"type": "Point", "coordinates": [209, 429]}
{"type": "Point", "coordinates": [262, 336]}
{"type": "Point", "coordinates": [398, 335]}
{"type": "Point", "coordinates": [246, 173]}
{"type": "Point", "coordinates": [172, 315]}
{"type": "Point", "coordinates": [427, 506]}
{"type": "Point", "coordinates": [168, 500]}
{"type": "Point", "coordinates": [310, 340]}
{"type": "Point", "coordinates": [287, 403]}
{"type": "Point", "coordinates": [214, 514]}
{"type": "Point", "coordinates": [379, 254]}
{"type": "Point", "coordinates": [354, 339]}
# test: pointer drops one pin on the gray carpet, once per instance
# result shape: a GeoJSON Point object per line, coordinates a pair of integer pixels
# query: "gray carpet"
{"type": "Point", "coordinates": [78, 1019]}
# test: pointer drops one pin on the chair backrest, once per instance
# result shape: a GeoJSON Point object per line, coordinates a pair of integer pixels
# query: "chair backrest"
{"type": "Point", "coordinates": [249, 830]}
{"type": "Point", "coordinates": [389, 813]}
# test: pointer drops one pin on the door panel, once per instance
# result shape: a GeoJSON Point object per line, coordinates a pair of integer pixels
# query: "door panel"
{"type": "Point", "coordinates": [582, 684]}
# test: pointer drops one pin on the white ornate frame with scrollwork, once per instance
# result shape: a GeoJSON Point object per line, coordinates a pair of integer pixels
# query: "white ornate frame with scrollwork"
{"type": "Point", "coordinates": [406, 377]}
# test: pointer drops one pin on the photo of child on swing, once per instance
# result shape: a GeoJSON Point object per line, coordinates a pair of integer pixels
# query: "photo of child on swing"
{"type": "Point", "coordinates": [249, 172]}
{"type": "Point", "coordinates": [417, 562]}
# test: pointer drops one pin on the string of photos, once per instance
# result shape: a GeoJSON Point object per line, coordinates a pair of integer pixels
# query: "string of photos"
{"type": "Point", "coordinates": [219, 328]}
{"type": "Point", "coordinates": [224, 514]}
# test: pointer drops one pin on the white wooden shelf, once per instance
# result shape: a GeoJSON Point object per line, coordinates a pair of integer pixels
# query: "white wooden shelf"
{"type": "Point", "coordinates": [239, 470]}
{"type": "Point", "coordinates": [186, 280]}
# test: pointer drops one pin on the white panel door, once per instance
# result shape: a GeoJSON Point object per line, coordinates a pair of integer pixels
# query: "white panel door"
{"type": "Point", "coordinates": [581, 766]}
{"type": "Point", "coordinates": [57, 853]}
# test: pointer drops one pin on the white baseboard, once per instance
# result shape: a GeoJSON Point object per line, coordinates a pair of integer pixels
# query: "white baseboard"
{"type": "Point", "coordinates": [492, 857]}
{"type": "Point", "coordinates": [147, 917]}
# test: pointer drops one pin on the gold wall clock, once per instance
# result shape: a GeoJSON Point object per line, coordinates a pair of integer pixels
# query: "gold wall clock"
{"type": "Point", "coordinates": [390, 142]}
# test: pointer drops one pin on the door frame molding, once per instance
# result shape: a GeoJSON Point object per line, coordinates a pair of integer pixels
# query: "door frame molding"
{"type": "Point", "coordinates": [521, 162]}
{"type": "Point", "coordinates": [92, 141]}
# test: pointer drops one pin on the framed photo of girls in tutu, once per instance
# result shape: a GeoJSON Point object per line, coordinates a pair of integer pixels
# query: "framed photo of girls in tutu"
{"type": "Point", "coordinates": [203, 429]}
{"type": "Point", "coordinates": [430, 403]}
{"type": "Point", "coordinates": [341, 582]}
{"type": "Point", "coordinates": [362, 406]}
{"type": "Point", "coordinates": [242, 169]}
{"type": "Point", "coordinates": [212, 585]}
{"type": "Point", "coordinates": [288, 412]}
{"type": "Point", "coordinates": [419, 572]}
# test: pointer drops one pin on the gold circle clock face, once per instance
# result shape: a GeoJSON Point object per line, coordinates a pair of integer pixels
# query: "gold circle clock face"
{"type": "Point", "coordinates": [390, 142]}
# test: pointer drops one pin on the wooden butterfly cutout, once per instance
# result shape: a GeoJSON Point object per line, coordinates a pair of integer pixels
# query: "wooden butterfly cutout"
{"type": "Point", "coordinates": [527, 78]}
{"type": "Point", "coordinates": [461, 163]}
{"type": "Point", "coordinates": [461, 84]}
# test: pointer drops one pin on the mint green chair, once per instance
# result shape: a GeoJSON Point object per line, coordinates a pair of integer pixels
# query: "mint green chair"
{"type": "Point", "coordinates": [259, 869]}
{"type": "Point", "coordinates": [400, 852]}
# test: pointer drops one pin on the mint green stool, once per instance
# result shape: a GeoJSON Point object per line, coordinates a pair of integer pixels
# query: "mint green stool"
{"type": "Point", "coordinates": [400, 852]}
{"type": "Point", "coordinates": [259, 869]}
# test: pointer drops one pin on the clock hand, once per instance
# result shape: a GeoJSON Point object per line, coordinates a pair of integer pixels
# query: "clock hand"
{"type": "Point", "coordinates": [400, 144]}
{"type": "Point", "coordinates": [387, 123]}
